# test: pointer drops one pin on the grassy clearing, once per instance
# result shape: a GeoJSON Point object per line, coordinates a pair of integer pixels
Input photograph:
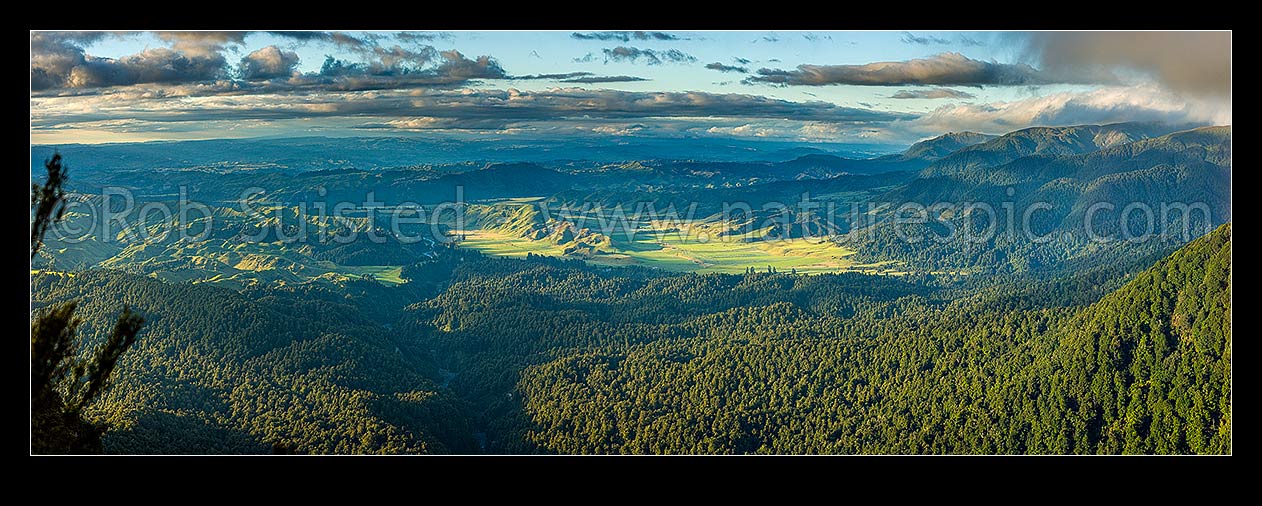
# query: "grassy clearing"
{"type": "Point", "coordinates": [697, 248]}
{"type": "Point", "coordinates": [387, 274]}
{"type": "Point", "coordinates": [505, 245]}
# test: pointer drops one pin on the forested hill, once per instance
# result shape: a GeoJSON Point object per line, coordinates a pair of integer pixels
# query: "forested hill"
{"type": "Point", "coordinates": [545, 355]}
{"type": "Point", "coordinates": [1143, 370]}
{"type": "Point", "coordinates": [1046, 141]}
{"type": "Point", "coordinates": [220, 371]}
{"type": "Point", "coordinates": [1147, 369]}
{"type": "Point", "coordinates": [1190, 168]}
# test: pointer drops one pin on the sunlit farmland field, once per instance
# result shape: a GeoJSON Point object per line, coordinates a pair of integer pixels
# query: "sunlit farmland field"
{"type": "Point", "coordinates": [695, 248]}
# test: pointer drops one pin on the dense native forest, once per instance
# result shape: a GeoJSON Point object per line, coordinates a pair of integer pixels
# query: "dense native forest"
{"type": "Point", "coordinates": [1007, 346]}
{"type": "Point", "coordinates": [542, 355]}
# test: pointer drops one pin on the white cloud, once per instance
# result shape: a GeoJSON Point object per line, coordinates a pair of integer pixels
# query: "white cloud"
{"type": "Point", "coordinates": [1099, 106]}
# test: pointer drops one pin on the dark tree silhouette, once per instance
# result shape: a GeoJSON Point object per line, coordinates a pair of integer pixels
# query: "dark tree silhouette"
{"type": "Point", "coordinates": [47, 202]}
{"type": "Point", "coordinates": [62, 384]}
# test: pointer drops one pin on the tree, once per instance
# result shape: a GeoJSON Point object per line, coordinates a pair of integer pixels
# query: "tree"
{"type": "Point", "coordinates": [62, 383]}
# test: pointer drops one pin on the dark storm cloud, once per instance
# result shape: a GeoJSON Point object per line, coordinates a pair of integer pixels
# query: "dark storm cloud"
{"type": "Point", "coordinates": [648, 56]}
{"type": "Point", "coordinates": [624, 36]}
{"type": "Point", "coordinates": [942, 69]}
{"type": "Point", "coordinates": [933, 93]}
{"type": "Point", "coordinates": [726, 68]}
{"type": "Point", "coordinates": [1196, 62]}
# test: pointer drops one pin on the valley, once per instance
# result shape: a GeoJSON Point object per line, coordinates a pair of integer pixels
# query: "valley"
{"type": "Point", "coordinates": [664, 306]}
{"type": "Point", "coordinates": [563, 242]}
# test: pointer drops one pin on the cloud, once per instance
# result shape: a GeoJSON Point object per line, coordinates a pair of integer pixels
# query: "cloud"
{"type": "Point", "coordinates": [55, 54]}
{"type": "Point", "coordinates": [1194, 62]}
{"type": "Point", "coordinates": [58, 60]}
{"type": "Point", "coordinates": [393, 68]}
{"type": "Point", "coordinates": [51, 41]}
{"type": "Point", "coordinates": [342, 39]}
{"type": "Point", "coordinates": [649, 56]}
{"type": "Point", "coordinates": [821, 131]}
{"type": "Point", "coordinates": [1112, 104]}
{"type": "Point", "coordinates": [557, 77]}
{"type": "Point", "coordinates": [382, 61]}
{"type": "Point", "coordinates": [927, 40]}
{"type": "Point", "coordinates": [618, 130]}
{"type": "Point", "coordinates": [267, 63]}
{"type": "Point", "coordinates": [965, 40]}
{"type": "Point", "coordinates": [432, 123]}
{"type": "Point", "coordinates": [726, 68]}
{"type": "Point", "coordinates": [950, 69]}
{"type": "Point", "coordinates": [933, 93]}
{"type": "Point", "coordinates": [746, 130]}
{"type": "Point", "coordinates": [625, 36]}
{"type": "Point", "coordinates": [423, 36]}
{"type": "Point", "coordinates": [742, 61]}
{"type": "Point", "coordinates": [578, 77]}
{"type": "Point", "coordinates": [457, 66]}
{"type": "Point", "coordinates": [158, 65]}
{"type": "Point", "coordinates": [409, 64]}
{"type": "Point", "coordinates": [604, 79]}
{"type": "Point", "coordinates": [477, 108]}
{"type": "Point", "coordinates": [911, 38]}
{"type": "Point", "coordinates": [201, 44]}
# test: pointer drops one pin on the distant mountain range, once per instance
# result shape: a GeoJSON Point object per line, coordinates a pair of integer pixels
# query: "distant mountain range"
{"type": "Point", "coordinates": [1066, 168]}
{"type": "Point", "coordinates": [373, 153]}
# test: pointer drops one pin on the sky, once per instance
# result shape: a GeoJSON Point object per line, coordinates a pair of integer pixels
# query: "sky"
{"type": "Point", "coordinates": [872, 87]}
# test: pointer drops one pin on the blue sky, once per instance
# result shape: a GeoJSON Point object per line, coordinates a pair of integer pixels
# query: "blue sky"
{"type": "Point", "coordinates": [879, 86]}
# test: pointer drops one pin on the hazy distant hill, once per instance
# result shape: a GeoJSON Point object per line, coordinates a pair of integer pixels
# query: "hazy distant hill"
{"type": "Point", "coordinates": [1187, 168]}
{"type": "Point", "coordinates": [322, 153]}
{"type": "Point", "coordinates": [943, 145]}
{"type": "Point", "coordinates": [1048, 141]}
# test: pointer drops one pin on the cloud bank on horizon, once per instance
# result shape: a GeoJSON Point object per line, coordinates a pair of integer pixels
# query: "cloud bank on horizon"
{"type": "Point", "coordinates": [840, 87]}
